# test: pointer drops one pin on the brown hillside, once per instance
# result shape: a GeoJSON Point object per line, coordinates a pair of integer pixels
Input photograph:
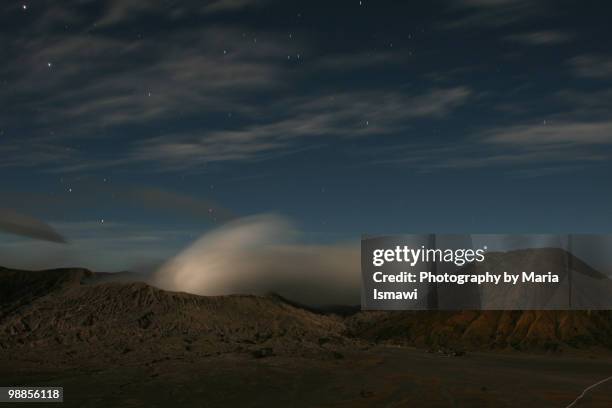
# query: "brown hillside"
{"type": "Point", "coordinates": [81, 320]}
{"type": "Point", "coordinates": [487, 330]}
{"type": "Point", "coordinates": [65, 315]}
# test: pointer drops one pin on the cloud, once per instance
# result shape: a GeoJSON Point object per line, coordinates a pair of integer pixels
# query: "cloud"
{"type": "Point", "coordinates": [340, 115]}
{"type": "Point", "coordinates": [99, 83]}
{"type": "Point", "coordinates": [575, 133]}
{"type": "Point", "coordinates": [592, 66]}
{"type": "Point", "coordinates": [108, 246]}
{"type": "Point", "coordinates": [554, 145]}
{"type": "Point", "coordinates": [16, 223]}
{"type": "Point", "coordinates": [490, 13]}
{"type": "Point", "coordinates": [103, 243]}
{"type": "Point", "coordinates": [30, 152]}
{"type": "Point", "coordinates": [120, 11]}
{"type": "Point", "coordinates": [514, 159]}
{"type": "Point", "coordinates": [98, 196]}
{"type": "Point", "coordinates": [283, 128]}
{"type": "Point", "coordinates": [591, 103]}
{"type": "Point", "coordinates": [176, 203]}
{"type": "Point", "coordinates": [540, 38]}
{"type": "Point", "coordinates": [198, 94]}
{"type": "Point", "coordinates": [259, 255]}
{"type": "Point", "coordinates": [216, 6]}
{"type": "Point", "coordinates": [348, 61]}
{"type": "Point", "coordinates": [543, 171]}
{"type": "Point", "coordinates": [578, 134]}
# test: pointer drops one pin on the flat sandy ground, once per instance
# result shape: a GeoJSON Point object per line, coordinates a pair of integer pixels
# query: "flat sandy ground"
{"type": "Point", "coordinates": [380, 377]}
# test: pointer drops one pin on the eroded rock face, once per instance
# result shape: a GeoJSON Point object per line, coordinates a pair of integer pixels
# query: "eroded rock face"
{"type": "Point", "coordinates": [101, 320]}
{"type": "Point", "coordinates": [487, 330]}
{"type": "Point", "coordinates": [65, 316]}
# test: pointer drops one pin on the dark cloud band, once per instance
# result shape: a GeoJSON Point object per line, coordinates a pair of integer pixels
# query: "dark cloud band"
{"type": "Point", "coordinates": [13, 222]}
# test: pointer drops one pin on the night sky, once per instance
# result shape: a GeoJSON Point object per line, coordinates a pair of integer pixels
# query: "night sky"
{"type": "Point", "coordinates": [133, 127]}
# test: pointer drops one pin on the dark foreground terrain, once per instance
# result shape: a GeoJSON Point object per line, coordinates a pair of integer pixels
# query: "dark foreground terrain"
{"type": "Point", "coordinates": [129, 344]}
{"type": "Point", "coordinates": [382, 376]}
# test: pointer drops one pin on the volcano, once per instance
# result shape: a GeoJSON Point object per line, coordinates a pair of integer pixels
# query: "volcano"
{"type": "Point", "coordinates": [79, 314]}
{"type": "Point", "coordinates": [127, 343]}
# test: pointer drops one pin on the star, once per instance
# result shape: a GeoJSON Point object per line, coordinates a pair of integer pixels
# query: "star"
{"type": "Point", "coordinates": [25, 6]}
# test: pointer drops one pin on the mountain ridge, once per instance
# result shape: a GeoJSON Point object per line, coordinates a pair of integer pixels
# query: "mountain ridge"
{"type": "Point", "coordinates": [78, 319]}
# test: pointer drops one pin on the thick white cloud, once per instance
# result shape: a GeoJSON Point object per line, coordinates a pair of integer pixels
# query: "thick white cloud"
{"type": "Point", "coordinates": [259, 255]}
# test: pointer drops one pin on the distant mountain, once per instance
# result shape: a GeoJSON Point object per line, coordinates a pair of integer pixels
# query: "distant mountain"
{"type": "Point", "coordinates": [72, 316]}
{"type": "Point", "coordinates": [486, 330]}
{"type": "Point", "coordinates": [507, 329]}
{"type": "Point", "coordinates": [590, 289]}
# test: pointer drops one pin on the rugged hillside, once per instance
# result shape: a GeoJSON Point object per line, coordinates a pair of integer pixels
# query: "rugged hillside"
{"type": "Point", "coordinates": [486, 330]}
{"type": "Point", "coordinates": [519, 330]}
{"type": "Point", "coordinates": [71, 317]}
{"type": "Point", "coordinates": [21, 288]}
{"type": "Point", "coordinates": [60, 312]}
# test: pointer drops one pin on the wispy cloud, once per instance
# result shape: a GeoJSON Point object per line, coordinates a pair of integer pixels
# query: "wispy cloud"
{"type": "Point", "coordinates": [29, 153]}
{"type": "Point", "coordinates": [222, 92]}
{"type": "Point", "coordinates": [98, 246]}
{"type": "Point", "coordinates": [587, 103]}
{"type": "Point", "coordinates": [92, 84]}
{"type": "Point", "coordinates": [215, 6]}
{"type": "Point", "coordinates": [100, 195]}
{"type": "Point", "coordinates": [592, 66]}
{"type": "Point", "coordinates": [572, 132]}
{"type": "Point", "coordinates": [99, 243]}
{"type": "Point", "coordinates": [122, 11]}
{"type": "Point", "coordinates": [24, 225]}
{"type": "Point", "coordinates": [341, 115]}
{"type": "Point", "coordinates": [490, 13]}
{"type": "Point", "coordinates": [549, 37]}
{"type": "Point", "coordinates": [87, 81]}
{"type": "Point", "coordinates": [544, 171]}
{"type": "Point", "coordinates": [526, 148]}
{"type": "Point", "coordinates": [356, 60]}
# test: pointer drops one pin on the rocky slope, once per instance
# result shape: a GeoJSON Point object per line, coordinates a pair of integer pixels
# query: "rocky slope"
{"type": "Point", "coordinates": [69, 316]}
{"type": "Point", "coordinates": [60, 312]}
{"type": "Point", "coordinates": [487, 330]}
